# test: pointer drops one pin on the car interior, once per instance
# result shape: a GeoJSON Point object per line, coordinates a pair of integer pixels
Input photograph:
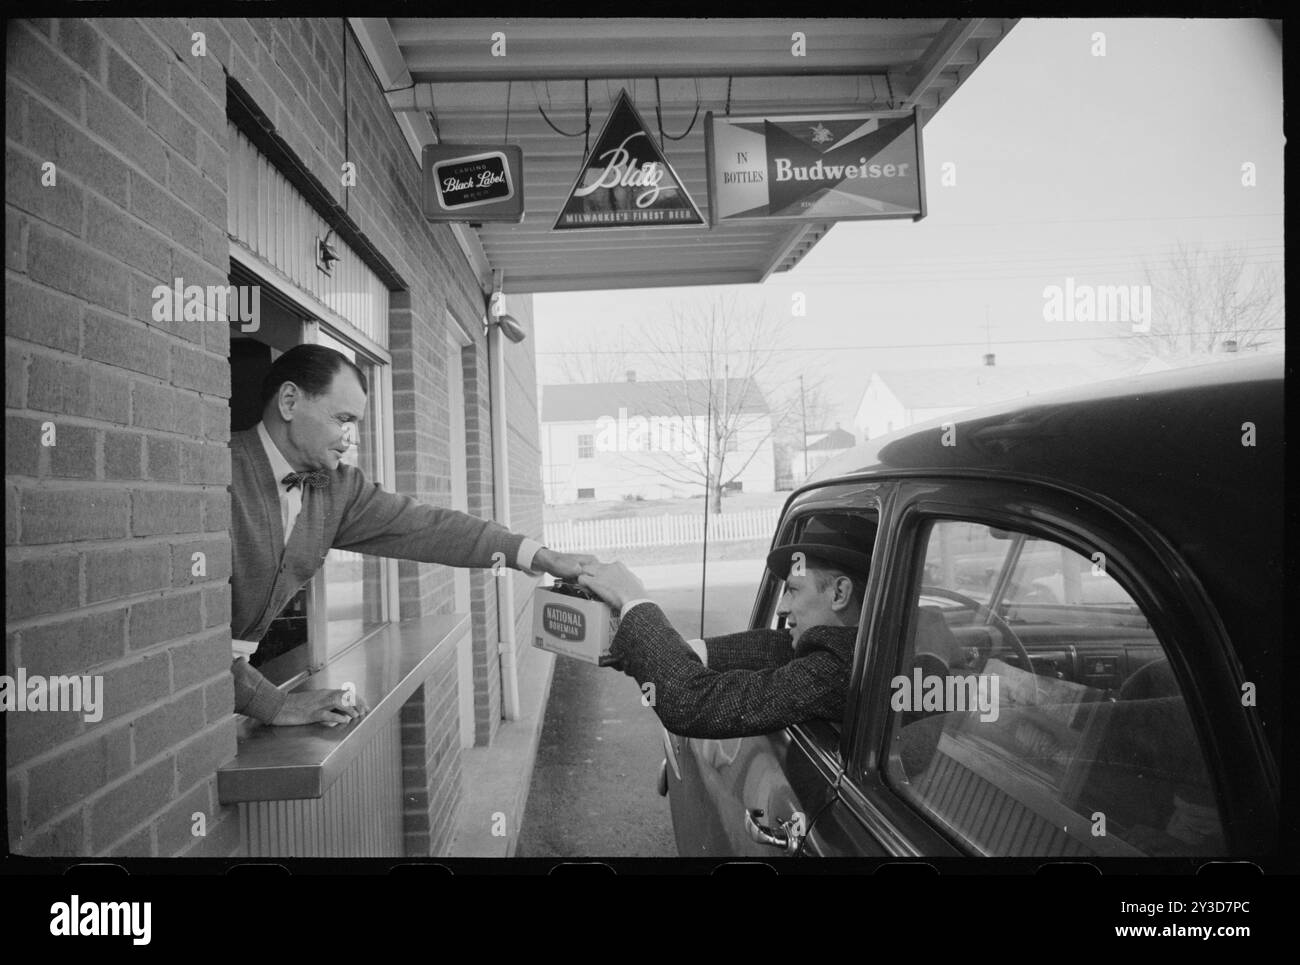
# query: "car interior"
{"type": "Point", "coordinates": [1044, 716]}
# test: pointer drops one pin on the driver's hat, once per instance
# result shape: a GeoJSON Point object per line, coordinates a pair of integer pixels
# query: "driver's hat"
{"type": "Point", "coordinates": [841, 539]}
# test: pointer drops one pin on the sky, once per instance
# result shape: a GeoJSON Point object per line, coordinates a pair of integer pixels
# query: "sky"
{"type": "Point", "coordinates": [1067, 165]}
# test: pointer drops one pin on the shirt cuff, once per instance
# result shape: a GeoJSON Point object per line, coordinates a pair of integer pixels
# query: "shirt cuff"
{"type": "Point", "coordinates": [524, 558]}
{"type": "Point", "coordinates": [631, 603]}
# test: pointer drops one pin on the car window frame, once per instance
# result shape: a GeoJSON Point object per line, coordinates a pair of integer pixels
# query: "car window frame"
{"type": "Point", "coordinates": [1149, 570]}
{"type": "Point", "coordinates": [803, 503]}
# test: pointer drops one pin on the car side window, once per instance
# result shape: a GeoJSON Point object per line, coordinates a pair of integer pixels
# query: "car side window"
{"type": "Point", "coordinates": [1034, 711]}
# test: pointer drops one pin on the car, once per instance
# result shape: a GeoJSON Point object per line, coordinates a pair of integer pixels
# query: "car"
{"type": "Point", "coordinates": [1070, 646]}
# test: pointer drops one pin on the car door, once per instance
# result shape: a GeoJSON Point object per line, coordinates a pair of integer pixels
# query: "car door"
{"type": "Point", "coordinates": [743, 797]}
{"type": "Point", "coordinates": [1075, 672]}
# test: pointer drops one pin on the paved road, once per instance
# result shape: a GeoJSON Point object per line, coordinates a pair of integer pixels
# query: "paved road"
{"type": "Point", "coordinates": [593, 792]}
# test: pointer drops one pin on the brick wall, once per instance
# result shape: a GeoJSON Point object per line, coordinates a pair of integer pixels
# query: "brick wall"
{"type": "Point", "coordinates": [100, 528]}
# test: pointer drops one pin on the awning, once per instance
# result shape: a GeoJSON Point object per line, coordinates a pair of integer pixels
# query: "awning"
{"type": "Point", "coordinates": [447, 86]}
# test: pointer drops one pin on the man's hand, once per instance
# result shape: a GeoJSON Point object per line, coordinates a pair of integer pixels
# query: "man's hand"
{"type": "Point", "coordinates": [318, 707]}
{"type": "Point", "coordinates": [612, 582]}
{"type": "Point", "coordinates": [562, 566]}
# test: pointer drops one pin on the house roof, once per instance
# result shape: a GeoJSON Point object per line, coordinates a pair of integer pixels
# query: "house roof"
{"type": "Point", "coordinates": [978, 384]}
{"type": "Point", "coordinates": [832, 439]}
{"type": "Point", "coordinates": [590, 401]}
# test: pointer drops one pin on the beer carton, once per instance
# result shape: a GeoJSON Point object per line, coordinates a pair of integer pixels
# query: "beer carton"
{"type": "Point", "coordinates": [570, 620]}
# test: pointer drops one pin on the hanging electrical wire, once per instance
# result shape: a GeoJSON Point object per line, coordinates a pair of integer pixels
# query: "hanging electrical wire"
{"type": "Point", "coordinates": [586, 100]}
{"type": "Point", "coordinates": [659, 115]}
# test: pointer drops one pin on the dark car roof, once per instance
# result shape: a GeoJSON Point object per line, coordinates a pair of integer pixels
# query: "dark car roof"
{"type": "Point", "coordinates": [1166, 447]}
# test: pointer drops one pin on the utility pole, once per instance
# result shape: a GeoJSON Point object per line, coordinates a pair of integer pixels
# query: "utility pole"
{"type": "Point", "coordinates": [803, 406]}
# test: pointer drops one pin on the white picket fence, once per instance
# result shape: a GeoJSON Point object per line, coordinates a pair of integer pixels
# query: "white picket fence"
{"type": "Point", "coordinates": [581, 534]}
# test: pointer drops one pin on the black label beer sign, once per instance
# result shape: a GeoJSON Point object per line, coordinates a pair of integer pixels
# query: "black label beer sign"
{"type": "Point", "coordinates": [626, 182]}
{"type": "Point", "coordinates": [815, 167]}
{"type": "Point", "coordinates": [473, 182]}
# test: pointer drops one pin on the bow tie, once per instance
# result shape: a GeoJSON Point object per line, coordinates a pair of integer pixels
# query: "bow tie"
{"type": "Point", "coordinates": [313, 479]}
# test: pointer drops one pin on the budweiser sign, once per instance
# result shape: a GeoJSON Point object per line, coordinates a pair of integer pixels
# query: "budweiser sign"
{"type": "Point", "coordinates": [626, 182]}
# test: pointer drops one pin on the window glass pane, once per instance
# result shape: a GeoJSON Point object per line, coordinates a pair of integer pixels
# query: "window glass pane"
{"type": "Point", "coordinates": [1034, 711]}
{"type": "Point", "coordinates": [354, 582]}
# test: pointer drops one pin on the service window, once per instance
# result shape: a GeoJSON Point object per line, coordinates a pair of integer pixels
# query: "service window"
{"type": "Point", "coordinates": [1034, 711]}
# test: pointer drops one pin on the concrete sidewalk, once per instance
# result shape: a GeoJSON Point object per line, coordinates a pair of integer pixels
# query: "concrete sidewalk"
{"type": "Point", "coordinates": [496, 779]}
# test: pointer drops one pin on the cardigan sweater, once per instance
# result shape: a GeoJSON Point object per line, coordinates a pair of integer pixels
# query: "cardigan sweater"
{"type": "Point", "coordinates": [755, 682]}
{"type": "Point", "coordinates": [350, 513]}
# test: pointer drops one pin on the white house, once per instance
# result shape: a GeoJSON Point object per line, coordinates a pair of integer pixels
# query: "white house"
{"type": "Point", "coordinates": [896, 399]}
{"type": "Point", "coordinates": [611, 440]}
{"type": "Point", "coordinates": [820, 447]}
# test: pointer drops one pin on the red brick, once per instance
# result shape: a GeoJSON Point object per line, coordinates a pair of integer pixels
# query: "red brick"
{"type": "Point", "coordinates": [140, 47]}
{"type": "Point", "coordinates": [163, 458]}
{"type": "Point", "coordinates": [205, 463]}
{"type": "Point", "coordinates": [143, 303]}
{"type": "Point", "coordinates": [121, 808]}
{"type": "Point", "coordinates": [64, 838]}
{"type": "Point", "coordinates": [125, 82]}
{"type": "Point", "coordinates": [52, 137]}
{"type": "Point", "coordinates": [74, 646]}
{"type": "Point", "coordinates": [15, 240]}
{"type": "Point", "coordinates": [164, 728]}
{"type": "Point", "coordinates": [42, 316]}
{"type": "Point", "coordinates": [216, 606]}
{"type": "Point", "coordinates": [129, 240]}
{"type": "Point", "coordinates": [116, 572]}
{"type": "Point", "coordinates": [135, 685]}
{"type": "Point", "coordinates": [216, 421]}
{"type": "Point", "coordinates": [192, 100]}
{"type": "Point", "coordinates": [193, 369]}
{"type": "Point", "coordinates": [59, 203]}
{"type": "Point", "coordinates": [216, 561]}
{"type": "Point", "coordinates": [213, 161]}
{"type": "Point", "coordinates": [117, 126]}
{"type": "Point", "coordinates": [219, 698]}
{"type": "Point", "coordinates": [164, 213]}
{"type": "Point", "coordinates": [164, 618]}
{"type": "Point", "coordinates": [118, 342]}
{"type": "Point", "coordinates": [173, 126]}
{"type": "Point", "coordinates": [32, 60]}
{"type": "Point", "coordinates": [216, 511]}
{"type": "Point", "coordinates": [23, 449]}
{"type": "Point", "coordinates": [41, 584]}
{"type": "Point", "coordinates": [11, 515]}
{"type": "Point", "coordinates": [202, 659]}
{"type": "Point", "coordinates": [76, 388]}
{"type": "Point", "coordinates": [138, 845]}
{"type": "Point", "coordinates": [175, 826]}
{"type": "Point", "coordinates": [81, 42]}
{"type": "Point", "coordinates": [123, 452]}
{"type": "Point", "coordinates": [58, 261]}
{"type": "Point", "coordinates": [199, 759]}
{"type": "Point", "coordinates": [223, 840]}
{"type": "Point", "coordinates": [155, 511]}
{"type": "Point", "coordinates": [64, 515]}
{"type": "Point", "coordinates": [187, 183]}
{"type": "Point", "coordinates": [73, 454]}
{"type": "Point", "coordinates": [76, 773]}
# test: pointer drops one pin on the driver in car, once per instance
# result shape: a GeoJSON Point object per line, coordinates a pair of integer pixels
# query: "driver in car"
{"type": "Point", "coordinates": [756, 681]}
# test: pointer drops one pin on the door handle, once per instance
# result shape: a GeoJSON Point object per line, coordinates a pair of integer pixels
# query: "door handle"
{"type": "Point", "coordinates": [788, 835]}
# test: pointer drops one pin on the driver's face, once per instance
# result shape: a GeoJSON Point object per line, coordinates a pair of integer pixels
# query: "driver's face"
{"type": "Point", "coordinates": [803, 605]}
{"type": "Point", "coordinates": [322, 428]}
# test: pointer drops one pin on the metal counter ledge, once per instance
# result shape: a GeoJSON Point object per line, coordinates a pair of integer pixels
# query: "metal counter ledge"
{"type": "Point", "coordinates": [281, 763]}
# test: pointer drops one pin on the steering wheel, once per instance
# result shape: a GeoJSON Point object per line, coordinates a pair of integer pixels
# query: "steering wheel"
{"type": "Point", "coordinates": [995, 618]}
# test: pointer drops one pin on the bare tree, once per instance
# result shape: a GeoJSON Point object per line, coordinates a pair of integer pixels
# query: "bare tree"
{"type": "Point", "coordinates": [1203, 302]}
{"type": "Point", "coordinates": [601, 359]}
{"type": "Point", "coordinates": [718, 366]}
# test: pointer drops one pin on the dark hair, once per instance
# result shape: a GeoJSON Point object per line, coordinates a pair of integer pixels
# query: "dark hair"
{"type": "Point", "coordinates": [823, 572]}
{"type": "Point", "coordinates": [310, 367]}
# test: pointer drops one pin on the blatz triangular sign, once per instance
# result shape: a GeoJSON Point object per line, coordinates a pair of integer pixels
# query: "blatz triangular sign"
{"type": "Point", "coordinates": [626, 182]}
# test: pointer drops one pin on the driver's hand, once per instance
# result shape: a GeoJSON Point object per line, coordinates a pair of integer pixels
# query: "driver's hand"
{"type": "Point", "coordinates": [319, 707]}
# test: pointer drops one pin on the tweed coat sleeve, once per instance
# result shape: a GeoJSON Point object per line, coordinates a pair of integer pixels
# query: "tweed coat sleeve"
{"type": "Point", "coordinates": [698, 701]}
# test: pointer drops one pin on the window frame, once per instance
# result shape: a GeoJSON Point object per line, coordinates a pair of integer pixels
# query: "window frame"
{"type": "Point", "coordinates": [1147, 568]}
